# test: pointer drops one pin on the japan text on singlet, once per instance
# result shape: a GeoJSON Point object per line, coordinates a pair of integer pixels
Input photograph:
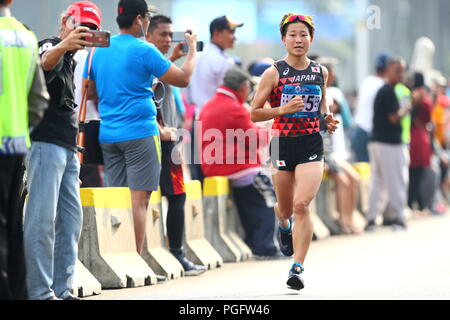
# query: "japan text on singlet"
{"type": "Point", "coordinates": [305, 83]}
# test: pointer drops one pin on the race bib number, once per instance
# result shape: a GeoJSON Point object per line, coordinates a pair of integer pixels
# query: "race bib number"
{"type": "Point", "coordinates": [311, 95]}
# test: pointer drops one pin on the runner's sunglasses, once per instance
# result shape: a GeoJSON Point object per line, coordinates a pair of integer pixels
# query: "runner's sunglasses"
{"type": "Point", "coordinates": [300, 17]}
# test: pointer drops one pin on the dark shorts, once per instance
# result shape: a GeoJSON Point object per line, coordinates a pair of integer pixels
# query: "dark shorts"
{"type": "Point", "coordinates": [172, 180]}
{"type": "Point", "coordinates": [288, 152]}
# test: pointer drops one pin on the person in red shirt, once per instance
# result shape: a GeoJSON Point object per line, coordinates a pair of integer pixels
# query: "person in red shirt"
{"type": "Point", "coordinates": [420, 148]}
{"type": "Point", "coordinates": [229, 143]}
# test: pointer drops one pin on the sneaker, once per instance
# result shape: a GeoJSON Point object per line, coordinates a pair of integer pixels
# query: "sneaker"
{"type": "Point", "coordinates": [295, 280]}
{"type": "Point", "coordinates": [388, 222]}
{"type": "Point", "coordinates": [285, 241]}
{"type": "Point", "coordinates": [398, 226]}
{"type": "Point", "coordinates": [275, 256]}
{"type": "Point", "coordinates": [71, 297]}
{"type": "Point", "coordinates": [371, 226]}
{"type": "Point", "coordinates": [190, 269]}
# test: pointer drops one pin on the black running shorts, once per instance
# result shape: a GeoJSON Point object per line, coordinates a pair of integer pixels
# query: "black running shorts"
{"type": "Point", "coordinates": [288, 152]}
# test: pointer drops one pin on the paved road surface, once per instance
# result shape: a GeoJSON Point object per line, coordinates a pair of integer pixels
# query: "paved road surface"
{"type": "Point", "coordinates": [413, 264]}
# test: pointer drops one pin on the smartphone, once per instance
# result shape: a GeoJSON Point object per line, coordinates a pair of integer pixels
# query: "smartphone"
{"type": "Point", "coordinates": [179, 36]}
{"type": "Point", "coordinates": [185, 47]}
{"type": "Point", "coordinates": [99, 38]}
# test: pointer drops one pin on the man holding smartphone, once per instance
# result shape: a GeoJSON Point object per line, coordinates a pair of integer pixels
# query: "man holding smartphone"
{"type": "Point", "coordinates": [171, 181]}
{"type": "Point", "coordinates": [53, 216]}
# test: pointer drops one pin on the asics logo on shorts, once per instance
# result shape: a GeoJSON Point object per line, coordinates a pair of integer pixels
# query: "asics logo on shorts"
{"type": "Point", "coordinates": [314, 157]}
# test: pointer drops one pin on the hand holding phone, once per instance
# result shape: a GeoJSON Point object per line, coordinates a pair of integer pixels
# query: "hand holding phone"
{"type": "Point", "coordinates": [185, 47]}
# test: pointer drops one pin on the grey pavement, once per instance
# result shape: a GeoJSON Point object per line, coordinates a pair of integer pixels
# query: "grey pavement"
{"type": "Point", "coordinates": [386, 264]}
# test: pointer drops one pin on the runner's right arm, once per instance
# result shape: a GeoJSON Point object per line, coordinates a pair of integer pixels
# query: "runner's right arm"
{"type": "Point", "coordinates": [268, 82]}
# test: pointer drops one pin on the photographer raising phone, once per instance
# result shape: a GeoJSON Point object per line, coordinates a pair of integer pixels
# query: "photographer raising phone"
{"type": "Point", "coordinates": [122, 76]}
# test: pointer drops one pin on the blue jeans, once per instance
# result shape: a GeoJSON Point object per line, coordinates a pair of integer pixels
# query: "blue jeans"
{"type": "Point", "coordinates": [359, 141]}
{"type": "Point", "coordinates": [53, 220]}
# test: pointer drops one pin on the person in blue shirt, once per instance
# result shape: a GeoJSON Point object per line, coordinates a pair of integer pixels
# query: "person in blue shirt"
{"type": "Point", "coordinates": [121, 75]}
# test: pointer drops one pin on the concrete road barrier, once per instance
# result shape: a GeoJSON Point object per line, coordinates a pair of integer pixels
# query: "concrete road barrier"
{"type": "Point", "coordinates": [155, 252]}
{"type": "Point", "coordinates": [219, 226]}
{"type": "Point", "coordinates": [84, 283]}
{"type": "Point", "coordinates": [320, 229]}
{"type": "Point", "coordinates": [107, 246]}
{"type": "Point", "coordinates": [325, 205]}
{"type": "Point", "coordinates": [198, 248]}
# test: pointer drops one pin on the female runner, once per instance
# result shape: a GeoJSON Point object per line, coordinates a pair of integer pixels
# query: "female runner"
{"type": "Point", "coordinates": [296, 90]}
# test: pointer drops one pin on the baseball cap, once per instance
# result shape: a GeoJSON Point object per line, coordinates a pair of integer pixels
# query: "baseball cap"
{"type": "Point", "coordinates": [85, 12]}
{"type": "Point", "coordinates": [258, 68]}
{"type": "Point", "coordinates": [223, 23]}
{"type": "Point", "coordinates": [234, 78]}
{"type": "Point", "coordinates": [381, 62]}
{"type": "Point", "coordinates": [134, 8]}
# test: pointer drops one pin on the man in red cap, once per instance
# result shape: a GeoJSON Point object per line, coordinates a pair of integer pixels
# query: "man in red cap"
{"type": "Point", "coordinates": [53, 216]}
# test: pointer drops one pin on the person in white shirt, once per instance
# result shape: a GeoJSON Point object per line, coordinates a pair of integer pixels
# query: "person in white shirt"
{"type": "Point", "coordinates": [337, 159]}
{"type": "Point", "coordinates": [208, 74]}
{"type": "Point", "coordinates": [91, 110]}
{"type": "Point", "coordinates": [90, 174]}
{"type": "Point", "coordinates": [364, 110]}
{"type": "Point", "coordinates": [213, 62]}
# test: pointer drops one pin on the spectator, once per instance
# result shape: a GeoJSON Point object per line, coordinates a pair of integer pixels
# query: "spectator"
{"type": "Point", "coordinates": [364, 110]}
{"type": "Point", "coordinates": [208, 74]}
{"type": "Point", "coordinates": [420, 148]}
{"type": "Point", "coordinates": [172, 180]}
{"type": "Point", "coordinates": [405, 100]}
{"type": "Point", "coordinates": [337, 157]}
{"type": "Point", "coordinates": [440, 117]}
{"type": "Point", "coordinates": [22, 107]}
{"type": "Point", "coordinates": [53, 217]}
{"type": "Point", "coordinates": [237, 159]}
{"type": "Point", "coordinates": [256, 70]}
{"type": "Point", "coordinates": [337, 94]}
{"type": "Point", "coordinates": [388, 155]}
{"type": "Point", "coordinates": [90, 174]}
{"type": "Point", "coordinates": [122, 75]}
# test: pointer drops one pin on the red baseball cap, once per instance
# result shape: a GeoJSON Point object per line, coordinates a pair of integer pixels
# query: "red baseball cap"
{"type": "Point", "coordinates": [85, 12]}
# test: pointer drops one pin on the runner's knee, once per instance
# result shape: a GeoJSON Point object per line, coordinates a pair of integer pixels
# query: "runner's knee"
{"type": "Point", "coordinates": [302, 205]}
